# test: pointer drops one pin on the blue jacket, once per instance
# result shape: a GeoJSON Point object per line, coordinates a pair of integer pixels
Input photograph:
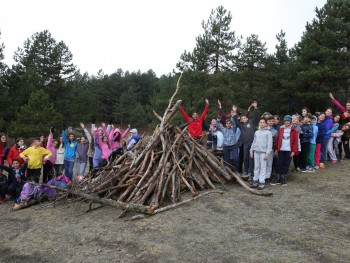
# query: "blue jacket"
{"type": "Point", "coordinates": [307, 133]}
{"type": "Point", "coordinates": [229, 134]}
{"type": "Point", "coordinates": [315, 132]}
{"type": "Point", "coordinates": [329, 124]}
{"type": "Point", "coordinates": [70, 147]}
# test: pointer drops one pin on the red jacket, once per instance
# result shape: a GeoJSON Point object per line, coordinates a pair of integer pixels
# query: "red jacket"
{"type": "Point", "coordinates": [14, 154]}
{"type": "Point", "coordinates": [293, 140]}
{"type": "Point", "coordinates": [195, 127]}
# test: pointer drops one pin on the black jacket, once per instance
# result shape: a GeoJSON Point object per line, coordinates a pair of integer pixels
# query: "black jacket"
{"type": "Point", "coordinates": [12, 174]}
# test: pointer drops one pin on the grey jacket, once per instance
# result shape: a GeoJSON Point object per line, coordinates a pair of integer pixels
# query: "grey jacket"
{"type": "Point", "coordinates": [262, 142]}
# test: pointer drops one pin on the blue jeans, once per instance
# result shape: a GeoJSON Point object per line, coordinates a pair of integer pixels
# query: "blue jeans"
{"type": "Point", "coordinates": [248, 162]}
{"type": "Point", "coordinates": [324, 150]}
{"type": "Point", "coordinates": [96, 163]}
{"type": "Point", "coordinates": [80, 168]}
{"type": "Point", "coordinates": [231, 152]}
{"type": "Point", "coordinates": [68, 168]}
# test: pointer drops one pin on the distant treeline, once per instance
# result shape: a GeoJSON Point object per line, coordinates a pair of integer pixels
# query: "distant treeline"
{"type": "Point", "coordinates": [44, 88]}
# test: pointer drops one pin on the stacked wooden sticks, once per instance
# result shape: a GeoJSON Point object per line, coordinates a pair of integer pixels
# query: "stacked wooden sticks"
{"type": "Point", "coordinates": [158, 171]}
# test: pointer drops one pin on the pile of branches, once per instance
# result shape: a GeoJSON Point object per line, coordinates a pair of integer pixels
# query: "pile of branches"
{"type": "Point", "coordinates": [152, 177]}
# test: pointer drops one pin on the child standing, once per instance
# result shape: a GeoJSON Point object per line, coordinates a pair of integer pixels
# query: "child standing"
{"type": "Point", "coordinates": [306, 135]}
{"type": "Point", "coordinates": [296, 119]}
{"type": "Point", "coordinates": [82, 153]}
{"type": "Point", "coordinates": [334, 134]}
{"type": "Point", "coordinates": [248, 128]}
{"type": "Point", "coordinates": [286, 147]}
{"type": "Point", "coordinates": [271, 161]}
{"type": "Point", "coordinates": [260, 150]}
{"type": "Point", "coordinates": [35, 155]}
{"type": "Point", "coordinates": [230, 143]}
{"type": "Point", "coordinates": [69, 153]}
{"type": "Point", "coordinates": [312, 147]}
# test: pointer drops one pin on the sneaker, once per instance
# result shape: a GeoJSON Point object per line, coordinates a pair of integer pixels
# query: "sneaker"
{"type": "Point", "coordinates": [317, 167]}
{"type": "Point", "coordinates": [283, 180]}
{"type": "Point", "coordinates": [245, 176]}
{"type": "Point", "coordinates": [8, 197]}
{"type": "Point", "coordinates": [2, 201]}
{"type": "Point", "coordinates": [305, 170]}
{"type": "Point", "coordinates": [261, 186]}
{"type": "Point", "coordinates": [267, 181]}
{"type": "Point", "coordinates": [298, 170]}
{"type": "Point", "coordinates": [277, 180]}
{"type": "Point", "coordinates": [255, 184]}
{"type": "Point", "coordinates": [311, 170]}
{"type": "Point", "coordinates": [334, 162]}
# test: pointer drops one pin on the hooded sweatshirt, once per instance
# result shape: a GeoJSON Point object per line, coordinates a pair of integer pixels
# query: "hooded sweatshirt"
{"type": "Point", "coordinates": [112, 137]}
{"type": "Point", "coordinates": [133, 140]}
{"type": "Point", "coordinates": [70, 147]}
{"type": "Point", "coordinates": [262, 142]}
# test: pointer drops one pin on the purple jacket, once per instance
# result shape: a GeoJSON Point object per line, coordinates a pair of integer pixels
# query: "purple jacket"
{"type": "Point", "coordinates": [328, 123]}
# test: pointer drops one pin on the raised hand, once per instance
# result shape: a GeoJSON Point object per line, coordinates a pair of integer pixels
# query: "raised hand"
{"type": "Point", "coordinates": [207, 101]}
{"type": "Point", "coordinates": [220, 106]}
{"type": "Point", "coordinates": [331, 96]}
{"type": "Point", "coordinates": [82, 125]}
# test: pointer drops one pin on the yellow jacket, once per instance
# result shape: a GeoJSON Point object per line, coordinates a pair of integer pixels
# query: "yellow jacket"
{"type": "Point", "coordinates": [35, 155]}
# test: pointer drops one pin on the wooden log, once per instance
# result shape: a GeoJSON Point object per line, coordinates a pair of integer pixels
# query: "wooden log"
{"type": "Point", "coordinates": [162, 209]}
{"type": "Point", "coordinates": [94, 198]}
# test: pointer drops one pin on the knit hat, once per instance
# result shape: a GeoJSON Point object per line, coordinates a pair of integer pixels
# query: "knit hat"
{"type": "Point", "coordinates": [287, 118]}
{"type": "Point", "coordinates": [266, 113]}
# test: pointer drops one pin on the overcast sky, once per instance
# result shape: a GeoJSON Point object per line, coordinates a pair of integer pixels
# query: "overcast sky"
{"type": "Point", "coordinates": [143, 35]}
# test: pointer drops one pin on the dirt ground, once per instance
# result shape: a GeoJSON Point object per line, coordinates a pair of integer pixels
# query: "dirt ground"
{"type": "Point", "coordinates": [306, 221]}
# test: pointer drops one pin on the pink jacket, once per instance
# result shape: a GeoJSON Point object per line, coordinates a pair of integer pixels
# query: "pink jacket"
{"type": "Point", "coordinates": [113, 135]}
{"type": "Point", "coordinates": [339, 106]}
{"type": "Point", "coordinates": [106, 150]}
{"type": "Point", "coordinates": [51, 148]}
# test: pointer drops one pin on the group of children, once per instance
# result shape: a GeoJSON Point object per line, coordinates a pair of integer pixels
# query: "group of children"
{"type": "Point", "coordinates": [261, 149]}
{"type": "Point", "coordinates": [50, 157]}
{"type": "Point", "coordinates": [256, 148]}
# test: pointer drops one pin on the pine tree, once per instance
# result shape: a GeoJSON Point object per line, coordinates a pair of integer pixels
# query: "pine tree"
{"type": "Point", "coordinates": [215, 48]}
{"type": "Point", "coordinates": [35, 117]}
{"type": "Point", "coordinates": [323, 54]}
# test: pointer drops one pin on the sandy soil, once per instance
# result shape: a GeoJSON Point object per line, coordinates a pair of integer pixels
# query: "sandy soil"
{"type": "Point", "coordinates": [306, 221]}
